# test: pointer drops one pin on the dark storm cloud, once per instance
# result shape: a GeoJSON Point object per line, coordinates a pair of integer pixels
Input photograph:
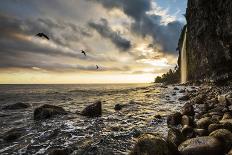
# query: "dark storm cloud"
{"type": "Point", "coordinates": [148, 25]}
{"type": "Point", "coordinates": [104, 30]}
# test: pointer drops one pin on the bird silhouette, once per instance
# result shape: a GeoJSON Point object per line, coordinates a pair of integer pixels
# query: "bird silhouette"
{"type": "Point", "coordinates": [83, 52]}
{"type": "Point", "coordinates": [42, 35]}
{"type": "Point", "coordinates": [97, 66]}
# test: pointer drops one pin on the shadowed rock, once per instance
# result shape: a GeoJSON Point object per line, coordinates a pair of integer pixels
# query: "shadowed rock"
{"type": "Point", "coordinates": [93, 110]}
{"type": "Point", "coordinates": [118, 107]}
{"type": "Point", "coordinates": [174, 119]}
{"type": "Point", "coordinates": [47, 111]}
{"type": "Point", "coordinates": [13, 134]}
{"type": "Point", "coordinates": [18, 105]}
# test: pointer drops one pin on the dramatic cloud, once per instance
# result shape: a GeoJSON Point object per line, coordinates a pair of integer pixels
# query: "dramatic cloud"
{"type": "Point", "coordinates": [104, 30]}
{"type": "Point", "coordinates": [123, 37]}
{"type": "Point", "coordinates": [148, 24]}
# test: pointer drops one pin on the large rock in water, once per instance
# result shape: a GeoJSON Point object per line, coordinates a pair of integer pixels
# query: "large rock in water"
{"type": "Point", "coordinates": [93, 110]}
{"type": "Point", "coordinates": [149, 144]}
{"type": "Point", "coordinates": [201, 146]}
{"type": "Point", "coordinates": [47, 111]}
{"type": "Point", "coordinates": [18, 105]}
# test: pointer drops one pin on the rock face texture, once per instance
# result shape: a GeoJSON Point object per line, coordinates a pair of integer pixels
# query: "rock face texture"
{"type": "Point", "coordinates": [209, 39]}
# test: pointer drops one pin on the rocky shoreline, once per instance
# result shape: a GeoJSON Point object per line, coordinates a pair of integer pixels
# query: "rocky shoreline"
{"type": "Point", "coordinates": [203, 127]}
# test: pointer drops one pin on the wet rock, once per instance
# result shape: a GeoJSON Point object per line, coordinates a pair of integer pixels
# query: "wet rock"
{"type": "Point", "coordinates": [229, 98]}
{"type": "Point", "coordinates": [118, 107]}
{"type": "Point", "coordinates": [226, 121]}
{"type": "Point", "coordinates": [13, 134]}
{"type": "Point", "coordinates": [47, 111]}
{"type": "Point", "coordinates": [174, 94]}
{"type": "Point", "coordinates": [157, 117]}
{"type": "Point", "coordinates": [174, 119]}
{"type": "Point", "coordinates": [188, 109]}
{"type": "Point", "coordinates": [175, 88]}
{"type": "Point", "coordinates": [175, 136]}
{"type": "Point", "coordinates": [199, 99]}
{"type": "Point", "coordinates": [225, 136]}
{"type": "Point", "coordinates": [188, 131]}
{"type": "Point", "coordinates": [136, 133]}
{"type": "Point", "coordinates": [18, 105]}
{"type": "Point", "coordinates": [203, 123]}
{"type": "Point", "coordinates": [93, 110]}
{"type": "Point", "coordinates": [184, 98]}
{"type": "Point", "coordinates": [227, 115]}
{"type": "Point", "coordinates": [149, 144]}
{"type": "Point", "coordinates": [187, 120]}
{"type": "Point", "coordinates": [222, 99]}
{"type": "Point", "coordinates": [182, 91]}
{"type": "Point", "coordinates": [216, 118]}
{"type": "Point", "coordinates": [201, 132]}
{"type": "Point", "coordinates": [201, 146]}
{"type": "Point", "coordinates": [213, 127]}
{"type": "Point", "coordinates": [116, 128]}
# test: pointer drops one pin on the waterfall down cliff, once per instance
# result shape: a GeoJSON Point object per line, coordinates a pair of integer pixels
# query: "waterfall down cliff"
{"type": "Point", "coordinates": [183, 67]}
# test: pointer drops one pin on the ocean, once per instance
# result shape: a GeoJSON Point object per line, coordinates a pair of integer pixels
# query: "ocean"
{"type": "Point", "coordinates": [113, 133]}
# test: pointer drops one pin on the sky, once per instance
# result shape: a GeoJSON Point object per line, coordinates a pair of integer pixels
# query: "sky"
{"type": "Point", "coordinates": [132, 41]}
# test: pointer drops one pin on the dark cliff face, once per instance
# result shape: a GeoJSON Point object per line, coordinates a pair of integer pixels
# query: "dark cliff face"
{"type": "Point", "coordinates": [209, 38]}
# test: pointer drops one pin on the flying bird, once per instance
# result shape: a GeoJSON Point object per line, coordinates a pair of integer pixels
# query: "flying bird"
{"type": "Point", "coordinates": [42, 35]}
{"type": "Point", "coordinates": [83, 52]}
{"type": "Point", "coordinates": [97, 66]}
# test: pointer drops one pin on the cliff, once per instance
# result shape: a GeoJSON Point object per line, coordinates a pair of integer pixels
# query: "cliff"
{"type": "Point", "coordinates": [209, 39]}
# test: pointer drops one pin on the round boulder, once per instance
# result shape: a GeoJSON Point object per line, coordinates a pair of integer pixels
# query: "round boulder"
{"type": "Point", "coordinates": [201, 146]}
{"type": "Point", "coordinates": [149, 144]}
{"type": "Point", "coordinates": [203, 123]}
{"type": "Point", "coordinates": [225, 136]}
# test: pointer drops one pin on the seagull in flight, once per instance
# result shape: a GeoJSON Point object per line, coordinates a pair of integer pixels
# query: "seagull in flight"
{"type": "Point", "coordinates": [83, 52]}
{"type": "Point", "coordinates": [42, 35]}
{"type": "Point", "coordinates": [97, 67]}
